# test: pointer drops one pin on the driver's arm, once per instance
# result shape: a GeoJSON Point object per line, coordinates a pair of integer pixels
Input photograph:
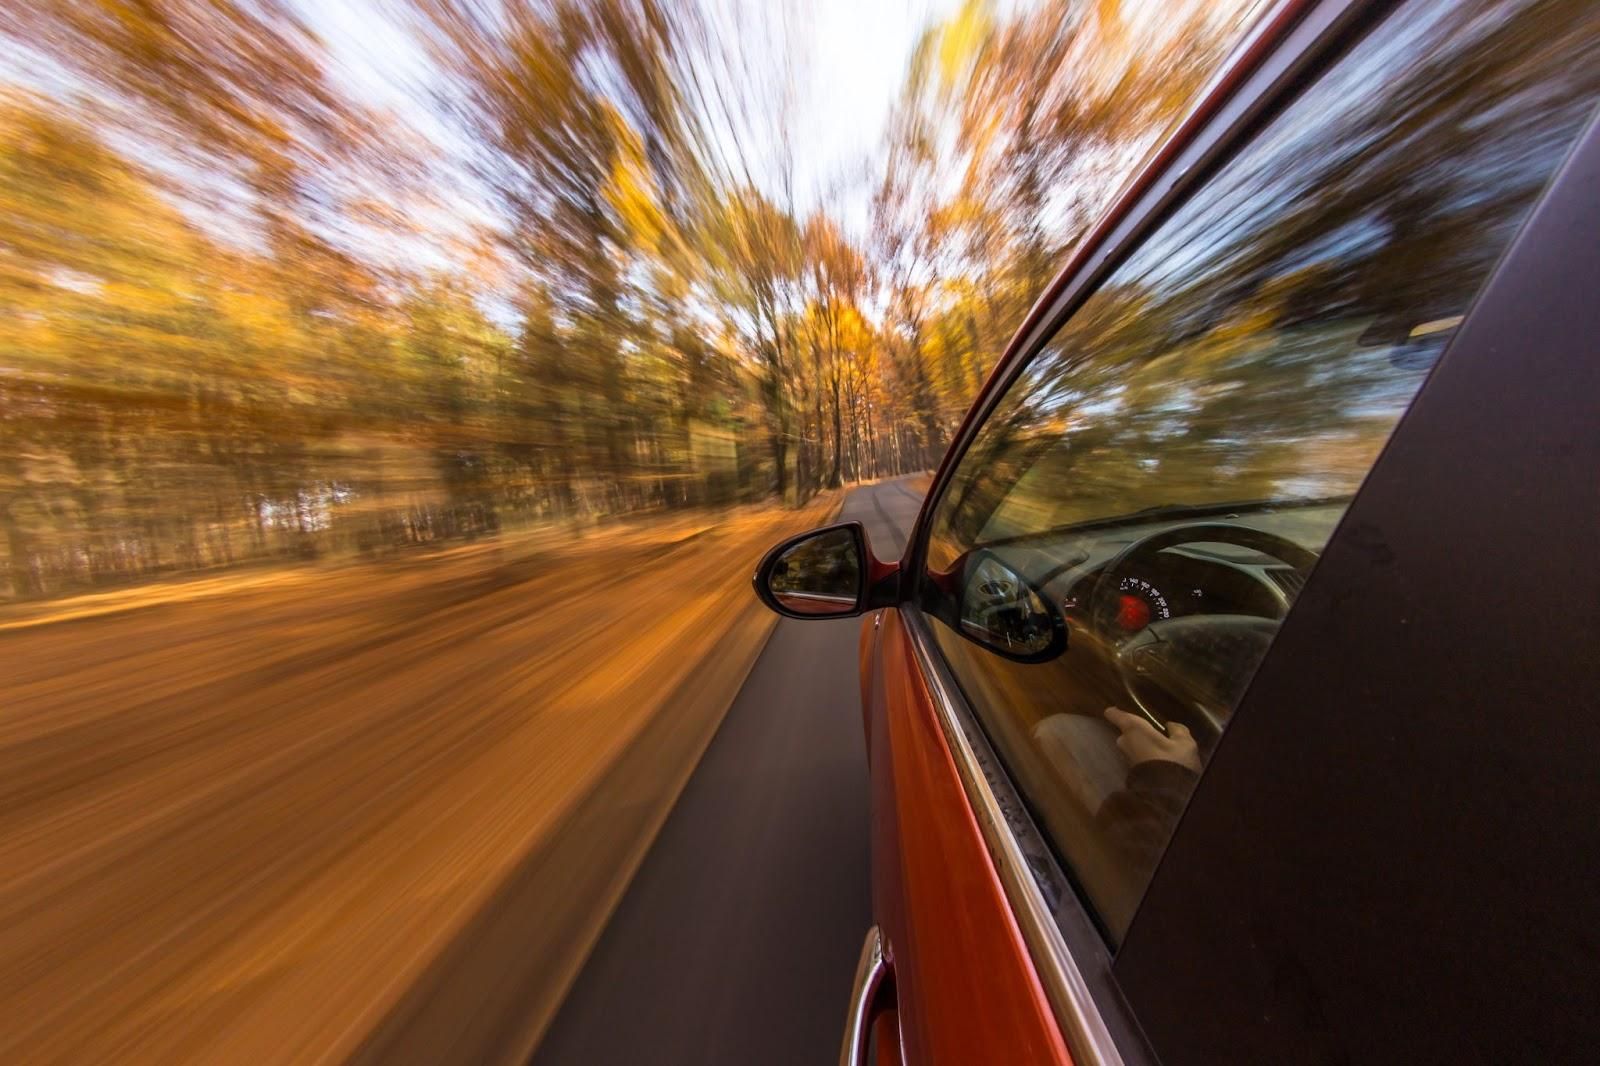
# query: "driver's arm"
{"type": "Point", "coordinates": [1143, 743]}
{"type": "Point", "coordinates": [1162, 771]}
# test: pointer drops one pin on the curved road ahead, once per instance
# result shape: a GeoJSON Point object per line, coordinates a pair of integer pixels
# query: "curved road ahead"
{"type": "Point", "coordinates": [737, 940]}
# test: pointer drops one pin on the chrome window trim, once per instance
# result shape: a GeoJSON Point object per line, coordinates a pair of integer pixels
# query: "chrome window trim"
{"type": "Point", "coordinates": [1083, 1026]}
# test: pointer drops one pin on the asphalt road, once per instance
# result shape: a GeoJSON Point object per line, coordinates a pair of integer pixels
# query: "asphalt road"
{"type": "Point", "coordinates": [737, 940]}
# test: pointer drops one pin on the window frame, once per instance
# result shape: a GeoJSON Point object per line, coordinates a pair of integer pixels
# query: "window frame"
{"type": "Point", "coordinates": [1290, 47]}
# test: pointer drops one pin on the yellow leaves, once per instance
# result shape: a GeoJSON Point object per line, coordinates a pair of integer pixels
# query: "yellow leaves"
{"type": "Point", "coordinates": [1108, 13]}
{"type": "Point", "coordinates": [961, 39]}
{"type": "Point", "coordinates": [855, 334]}
{"type": "Point", "coordinates": [629, 192]}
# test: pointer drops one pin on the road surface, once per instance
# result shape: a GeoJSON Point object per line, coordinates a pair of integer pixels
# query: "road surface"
{"type": "Point", "coordinates": [356, 812]}
{"type": "Point", "coordinates": [737, 940]}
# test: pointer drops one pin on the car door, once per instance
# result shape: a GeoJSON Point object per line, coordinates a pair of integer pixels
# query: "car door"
{"type": "Point", "coordinates": [960, 965]}
{"type": "Point", "coordinates": [1157, 475]}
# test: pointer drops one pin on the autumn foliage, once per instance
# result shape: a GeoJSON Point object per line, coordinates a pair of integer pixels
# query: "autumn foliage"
{"type": "Point", "coordinates": [250, 309]}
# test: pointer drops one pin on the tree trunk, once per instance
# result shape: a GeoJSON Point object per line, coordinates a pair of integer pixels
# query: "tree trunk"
{"type": "Point", "coordinates": [872, 444]}
{"type": "Point", "coordinates": [780, 458]}
{"type": "Point", "coordinates": [855, 436]}
{"type": "Point", "coordinates": [838, 437]}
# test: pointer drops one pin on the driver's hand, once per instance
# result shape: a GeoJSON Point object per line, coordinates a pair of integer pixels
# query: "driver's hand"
{"type": "Point", "coordinates": [1142, 742]}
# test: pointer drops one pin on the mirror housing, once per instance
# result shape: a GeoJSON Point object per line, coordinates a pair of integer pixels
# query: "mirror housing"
{"type": "Point", "coordinates": [828, 572]}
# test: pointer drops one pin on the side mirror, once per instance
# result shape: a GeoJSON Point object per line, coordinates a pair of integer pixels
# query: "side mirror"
{"type": "Point", "coordinates": [826, 573]}
{"type": "Point", "coordinates": [1007, 615]}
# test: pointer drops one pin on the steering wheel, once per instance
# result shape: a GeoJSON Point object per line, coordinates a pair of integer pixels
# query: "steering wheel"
{"type": "Point", "coordinates": [1193, 668]}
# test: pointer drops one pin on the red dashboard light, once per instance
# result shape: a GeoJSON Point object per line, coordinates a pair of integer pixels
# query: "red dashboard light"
{"type": "Point", "coordinates": [1133, 613]}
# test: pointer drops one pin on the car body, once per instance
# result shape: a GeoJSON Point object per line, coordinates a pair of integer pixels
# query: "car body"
{"type": "Point", "coordinates": [1289, 478]}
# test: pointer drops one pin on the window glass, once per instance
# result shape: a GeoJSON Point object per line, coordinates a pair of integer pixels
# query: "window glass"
{"type": "Point", "coordinates": [1116, 549]}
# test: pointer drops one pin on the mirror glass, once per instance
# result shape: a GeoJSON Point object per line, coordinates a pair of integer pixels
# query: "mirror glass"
{"type": "Point", "coordinates": [1001, 610]}
{"type": "Point", "coordinates": [818, 575]}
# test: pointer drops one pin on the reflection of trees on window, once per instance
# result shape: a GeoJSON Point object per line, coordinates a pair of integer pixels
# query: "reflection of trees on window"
{"type": "Point", "coordinates": [1264, 343]}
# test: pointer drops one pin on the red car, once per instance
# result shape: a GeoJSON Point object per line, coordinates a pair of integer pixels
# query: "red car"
{"type": "Point", "coordinates": [1238, 696]}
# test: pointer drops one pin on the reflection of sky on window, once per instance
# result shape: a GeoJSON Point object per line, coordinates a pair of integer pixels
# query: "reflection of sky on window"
{"type": "Point", "coordinates": [1334, 134]}
{"type": "Point", "coordinates": [1165, 421]}
{"type": "Point", "coordinates": [1285, 159]}
{"type": "Point", "coordinates": [1109, 403]}
{"type": "Point", "coordinates": [1385, 395]}
{"type": "Point", "coordinates": [1360, 235]}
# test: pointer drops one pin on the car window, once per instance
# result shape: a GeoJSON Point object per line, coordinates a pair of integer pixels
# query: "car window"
{"type": "Point", "coordinates": [1114, 552]}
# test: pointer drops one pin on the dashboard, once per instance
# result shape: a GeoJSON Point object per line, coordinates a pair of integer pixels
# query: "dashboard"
{"type": "Point", "coordinates": [1099, 579]}
{"type": "Point", "coordinates": [1182, 581]}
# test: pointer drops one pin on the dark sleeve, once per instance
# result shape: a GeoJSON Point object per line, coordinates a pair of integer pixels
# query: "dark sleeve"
{"type": "Point", "coordinates": [1139, 820]}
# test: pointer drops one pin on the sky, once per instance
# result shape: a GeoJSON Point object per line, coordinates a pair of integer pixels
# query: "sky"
{"type": "Point", "coordinates": [848, 59]}
{"type": "Point", "coordinates": [859, 51]}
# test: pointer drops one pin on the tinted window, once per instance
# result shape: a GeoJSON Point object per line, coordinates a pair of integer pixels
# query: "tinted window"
{"type": "Point", "coordinates": [1163, 474]}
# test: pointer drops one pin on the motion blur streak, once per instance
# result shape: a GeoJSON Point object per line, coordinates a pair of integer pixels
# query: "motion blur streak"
{"type": "Point", "coordinates": [394, 396]}
{"type": "Point", "coordinates": [237, 824]}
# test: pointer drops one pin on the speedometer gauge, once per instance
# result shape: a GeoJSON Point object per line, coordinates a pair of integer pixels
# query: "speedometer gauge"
{"type": "Point", "coordinates": [1139, 603]}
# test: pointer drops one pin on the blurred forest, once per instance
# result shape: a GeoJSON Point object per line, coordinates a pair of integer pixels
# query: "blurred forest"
{"type": "Point", "coordinates": [247, 313]}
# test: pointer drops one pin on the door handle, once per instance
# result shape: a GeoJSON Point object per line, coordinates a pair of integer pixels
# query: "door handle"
{"type": "Point", "coordinates": [871, 969]}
